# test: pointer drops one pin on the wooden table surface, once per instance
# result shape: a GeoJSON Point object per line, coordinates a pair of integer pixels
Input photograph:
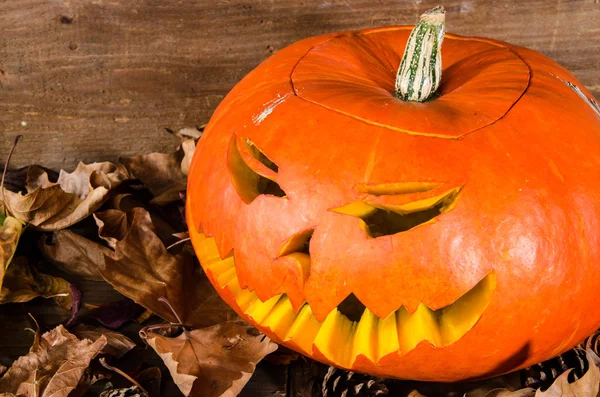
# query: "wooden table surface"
{"type": "Point", "coordinates": [93, 80]}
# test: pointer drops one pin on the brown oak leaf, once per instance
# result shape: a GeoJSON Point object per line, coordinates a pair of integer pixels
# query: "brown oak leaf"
{"type": "Point", "coordinates": [114, 315]}
{"type": "Point", "coordinates": [164, 174]}
{"type": "Point", "coordinates": [16, 180]}
{"type": "Point", "coordinates": [125, 201]}
{"type": "Point", "coordinates": [587, 385]}
{"type": "Point", "coordinates": [10, 231]}
{"type": "Point", "coordinates": [150, 379]}
{"type": "Point", "coordinates": [56, 205]}
{"type": "Point", "coordinates": [142, 269]}
{"type": "Point", "coordinates": [113, 225]}
{"type": "Point", "coordinates": [75, 254]}
{"type": "Point", "coordinates": [191, 132]}
{"type": "Point", "coordinates": [214, 361]}
{"type": "Point", "coordinates": [23, 283]}
{"type": "Point", "coordinates": [117, 344]}
{"type": "Point", "coordinates": [54, 368]}
{"type": "Point", "coordinates": [188, 146]}
{"type": "Point", "coordinates": [282, 356]}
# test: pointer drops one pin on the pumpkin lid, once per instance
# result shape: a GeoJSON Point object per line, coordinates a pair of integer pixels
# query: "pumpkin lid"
{"type": "Point", "coordinates": [354, 74]}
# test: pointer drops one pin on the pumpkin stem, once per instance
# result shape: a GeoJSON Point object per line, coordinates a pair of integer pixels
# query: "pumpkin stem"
{"type": "Point", "coordinates": [420, 70]}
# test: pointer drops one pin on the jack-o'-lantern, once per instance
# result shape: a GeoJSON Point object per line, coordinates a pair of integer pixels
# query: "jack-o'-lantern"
{"type": "Point", "coordinates": [356, 209]}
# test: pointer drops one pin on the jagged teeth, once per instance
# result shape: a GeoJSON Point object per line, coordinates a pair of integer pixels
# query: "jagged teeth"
{"type": "Point", "coordinates": [337, 338]}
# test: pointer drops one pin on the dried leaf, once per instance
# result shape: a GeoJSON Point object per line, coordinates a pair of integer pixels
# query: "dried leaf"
{"type": "Point", "coordinates": [53, 206]}
{"type": "Point", "coordinates": [144, 270]}
{"type": "Point", "coordinates": [165, 174]}
{"type": "Point", "coordinates": [76, 297]}
{"type": "Point", "coordinates": [150, 379]}
{"type": "Point", "coordinates": [282, 356]}
{"type": "Point", "coordinates": [37, 337]}
{"type": "Point", "coordinates": [54, 368]}
{"type": "Point", "coordinates": [190, 132]}
{"type": "Point", "coordinates": [75, 254]}
{"type": "Point", "coordinates": [117, 344]}
{"type": "Point", "coordinates": [113, 225]}
{"type": "Point", "coordinates": [23, 283]}
{"type": "Point", "coordinates": [188, 146]}
{"type": "Point", "coordinates": [491, 388]}
{"type": "Point", "coordinates": [587, 385]}
{"type": "Point", "coordinates": [142, 318]}
{"type": "Point", "coordinates": [125, 202]}
{"type": "Point", "coordinates": [10, 231]}
{"type": "Point", "coordinates": [115, 314]}
{"type": "Point", "coordinates": [168, 196]}
{"type": "Point", "coordinates": [16, 181]}
{"type": "Point", "coordinates": [214, 361]}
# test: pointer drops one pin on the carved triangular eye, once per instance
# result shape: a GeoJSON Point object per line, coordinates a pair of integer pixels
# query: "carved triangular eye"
{"type": "Point", "coordinates": [252, 172]}
{"type": "Point", "coordinates": [385, 217]}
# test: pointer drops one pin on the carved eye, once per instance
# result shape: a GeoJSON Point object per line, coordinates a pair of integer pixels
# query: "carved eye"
{"type": "Point", "coordinates": [398, 207]}
{"type": "Point", "coordinates": [252, 172]}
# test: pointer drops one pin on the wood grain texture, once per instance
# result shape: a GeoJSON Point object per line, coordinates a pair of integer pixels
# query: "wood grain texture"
{"type": "Point", "coordinates": [94, 80]}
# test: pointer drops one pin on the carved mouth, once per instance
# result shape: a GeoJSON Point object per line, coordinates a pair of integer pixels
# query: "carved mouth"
{"type": "Point", "coordinates": [337, 338]}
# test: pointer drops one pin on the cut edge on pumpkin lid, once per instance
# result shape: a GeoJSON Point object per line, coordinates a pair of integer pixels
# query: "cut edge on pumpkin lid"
{"type": "Point", "coordinates": [356, 90]}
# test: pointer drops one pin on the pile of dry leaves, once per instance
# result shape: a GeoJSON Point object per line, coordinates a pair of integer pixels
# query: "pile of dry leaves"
{"type": "Point", "coordinates": [124, 224]}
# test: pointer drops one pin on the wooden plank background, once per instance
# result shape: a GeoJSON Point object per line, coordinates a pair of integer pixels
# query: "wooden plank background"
{"type": "Point", "coordinates": [93, 80]}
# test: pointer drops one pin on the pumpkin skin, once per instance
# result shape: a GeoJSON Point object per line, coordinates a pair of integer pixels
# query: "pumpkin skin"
{"type": "Point", "coordinates": [499, 278]}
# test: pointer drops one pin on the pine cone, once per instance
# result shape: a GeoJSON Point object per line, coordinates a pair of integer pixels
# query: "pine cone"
{"type": "Point", "coordinates": [340, 383]}
{"type": "Point", "coordinates": [133, 391]}
{"type": "Point", "coordinates": [541, 376]}
{"type": "Point", "coordinates": [592, 343]}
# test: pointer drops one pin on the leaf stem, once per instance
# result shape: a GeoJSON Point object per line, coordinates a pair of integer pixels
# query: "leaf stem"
{"type": "Point", "coordinates": [124, 375]}
{"type": "Point", "coordinates": [183, 240]}
{"type": "Point", "coordinates": [166, 302]}
{"type": "Point", "coordinates": [149, 328]}
{"type": "Point", "coordinates": [12, 149]}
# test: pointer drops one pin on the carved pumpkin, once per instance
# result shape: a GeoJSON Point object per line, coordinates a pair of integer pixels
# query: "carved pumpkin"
{"type": "Point", "coordinates": [453, 238]}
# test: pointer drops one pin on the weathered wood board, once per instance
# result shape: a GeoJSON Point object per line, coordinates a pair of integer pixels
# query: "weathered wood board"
{"type": "Point", "coordinates": [96, 79]}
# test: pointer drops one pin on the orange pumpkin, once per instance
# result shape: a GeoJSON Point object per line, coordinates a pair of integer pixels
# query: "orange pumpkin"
{"type": "Point", "coordinates": [441, 240]}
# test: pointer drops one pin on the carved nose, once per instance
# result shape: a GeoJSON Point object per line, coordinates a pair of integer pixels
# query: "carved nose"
{"type": "Point", "coordinates": [395, 208]}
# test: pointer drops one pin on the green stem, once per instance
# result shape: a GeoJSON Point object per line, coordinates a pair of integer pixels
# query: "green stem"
{"type": "Point", "coordinates": [420, 70]}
